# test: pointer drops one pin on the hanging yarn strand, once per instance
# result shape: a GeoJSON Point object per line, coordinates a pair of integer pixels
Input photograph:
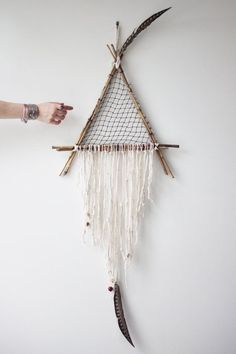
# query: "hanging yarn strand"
{"type": "Point", "coordinates": [115, 186]}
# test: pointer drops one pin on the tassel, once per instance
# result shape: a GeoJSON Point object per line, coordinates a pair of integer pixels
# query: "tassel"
{"type": "Point", "coordinates": [115, 186]}
{"type": "Point", "coordinates": [120, 314]}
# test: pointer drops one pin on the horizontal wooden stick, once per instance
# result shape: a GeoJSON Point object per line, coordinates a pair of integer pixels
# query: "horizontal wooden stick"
{"type": "Point", "coordinates": [63, 148]}
{"type": "Point", "coordinates": [168, 146]}
{"type": "Point", "coordinates": [111, 147]}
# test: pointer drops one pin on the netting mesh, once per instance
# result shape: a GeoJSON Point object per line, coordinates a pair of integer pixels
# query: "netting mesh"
{"type": "Point", "coordinates": [117, 120]}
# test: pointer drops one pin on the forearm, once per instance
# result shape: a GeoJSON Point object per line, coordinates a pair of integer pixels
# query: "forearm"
{"type": "Point", "coordinates": [11, 110]}
{"type": "Point", "coordinates": [47, 112]}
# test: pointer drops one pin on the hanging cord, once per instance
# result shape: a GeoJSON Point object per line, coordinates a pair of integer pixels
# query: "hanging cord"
{"type": "Point", "coordinates": [117, 61]}
{"type": "Point", "coordinates": [117, 35]}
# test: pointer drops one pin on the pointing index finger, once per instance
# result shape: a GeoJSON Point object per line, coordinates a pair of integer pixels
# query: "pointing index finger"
{"type": "Point", "coordinates": [69, 108]}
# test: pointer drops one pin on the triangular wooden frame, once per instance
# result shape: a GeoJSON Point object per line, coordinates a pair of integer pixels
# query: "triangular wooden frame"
{"type": "Point", "coordinates": [117, 55]}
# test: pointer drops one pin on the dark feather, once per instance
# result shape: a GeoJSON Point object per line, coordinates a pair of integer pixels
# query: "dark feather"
{"type": "Point", "coordinates": [142, 27]}
{"type": "Point", "coordinates": [120, 314]}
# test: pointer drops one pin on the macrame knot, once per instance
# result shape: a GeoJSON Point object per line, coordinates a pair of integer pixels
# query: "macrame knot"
{"type": "Point", "coordinates": [117, 62]}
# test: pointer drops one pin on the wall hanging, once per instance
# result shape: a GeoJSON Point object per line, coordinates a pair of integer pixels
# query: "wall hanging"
{"type": "Point", "coordinates": [115, 152]}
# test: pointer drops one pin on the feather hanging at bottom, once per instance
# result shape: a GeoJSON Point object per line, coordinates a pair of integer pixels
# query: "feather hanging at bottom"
{"type": "Point", "coordinates": [120, 314]}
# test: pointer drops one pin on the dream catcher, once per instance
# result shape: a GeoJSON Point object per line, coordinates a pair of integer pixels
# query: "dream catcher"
{"type": "Point", "coordinates": [115, 152]}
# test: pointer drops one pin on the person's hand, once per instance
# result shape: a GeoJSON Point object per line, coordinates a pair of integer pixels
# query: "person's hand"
{"type": "Point", "coordinates": [53, 112]}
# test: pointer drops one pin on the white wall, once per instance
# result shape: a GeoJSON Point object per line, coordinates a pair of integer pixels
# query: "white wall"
{"type": "Point", "coordinates": [181, 294]}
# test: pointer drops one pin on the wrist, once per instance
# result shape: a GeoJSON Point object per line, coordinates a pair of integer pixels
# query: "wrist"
{"type": "Point", "coordinates": [30, 112]}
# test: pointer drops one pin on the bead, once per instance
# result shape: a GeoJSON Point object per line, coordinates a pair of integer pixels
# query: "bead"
{"type": "Point", "coordinates": [110, 288]}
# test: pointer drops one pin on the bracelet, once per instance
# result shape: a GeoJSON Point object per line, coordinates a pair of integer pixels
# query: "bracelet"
{"type": "Point", "coordinates": [30, 112]}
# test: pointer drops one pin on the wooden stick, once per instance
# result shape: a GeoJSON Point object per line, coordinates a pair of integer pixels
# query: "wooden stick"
{"type": "Point", "coordinates": [63, 148]}
{"type": "Point", "coordinates": [168, 145]}
{"type": "Point", "coordinates": [114, 51]}
{"type": "Point", "coordinates": [89, 121]}
{"type": "Point", "coordinates": [110, 50]}
{"type": "Point", "coordinates": [109, 147]}
{"type": "Point", "coordinates": [163, 161]}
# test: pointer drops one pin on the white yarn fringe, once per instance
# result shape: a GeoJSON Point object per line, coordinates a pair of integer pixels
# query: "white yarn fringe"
{"type": "Point", "coordinates": [114, 188]}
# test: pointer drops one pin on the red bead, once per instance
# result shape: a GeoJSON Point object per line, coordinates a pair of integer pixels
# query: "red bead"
{"type": "Point", "coordinates": [110, 288]}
